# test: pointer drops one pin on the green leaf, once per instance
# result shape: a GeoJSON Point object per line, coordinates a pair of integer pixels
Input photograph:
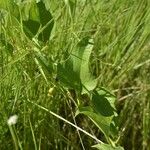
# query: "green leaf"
{"type": "Point", "coordinates": [88, 81]}
{"type": "Point", "coordinates": [47, 4]}
{"type": "Point", "coordinates": [103, 146]}
{"type": "Point", "coordinates": [102, 122]}
{"type": "Point", "coordinates": [67, 76]}
{"type": "Point", "coordinates": [109, 96]}
{"type": "Point", "coordinates": [46, 20]}
{"type": "Point", "coordinates": [101, 104]}
{"type": "Point", "coordinates": [81, 59]}
{"type": "Point", "coordinates": [31, 28]}
{"type": "Point", "coordinates": [76, 68]}
{"type": "Point", "coordinates": [35, 16]}
{"type": "Point", "coordinates": [102, 112]}
{"type": "Point", "coordinates": [34, 12]}
{"type": "Point", "coordinates": [53, 6]}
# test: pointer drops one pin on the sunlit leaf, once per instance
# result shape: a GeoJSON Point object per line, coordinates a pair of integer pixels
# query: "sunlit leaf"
{"type": "Point", "coordinates": [103, 146]}
{"type": "Point", "coordinates": [81, 59]}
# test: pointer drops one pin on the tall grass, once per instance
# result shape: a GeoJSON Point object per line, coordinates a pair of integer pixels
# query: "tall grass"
{"type": "Point", "coordinates": [120, 59]}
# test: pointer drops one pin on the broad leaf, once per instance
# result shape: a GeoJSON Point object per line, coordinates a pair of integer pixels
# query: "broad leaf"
{"type": "Point", "coordinates": [102, 122]}
{"type": "Point", "coordinates": [37, 15]}
{"type": "Point", "coordinates": [102, 105]}
{"type": "Point", "coordinates": [88, 81]}
{"type": "Point", "coordinates": [75, 71]}
{"type": "Point", "coordinates": [81, 59]}
{"type": "Point", "coordinates": [67, 76]}
{"type": "Point", "coordinates": [46, 20]}
{"type": "Point", "coordinates": [102, 112]}
{"type": "Point", "coordinates": [109, 96]}
{"type": "Point", "coordinates": [103, 146]}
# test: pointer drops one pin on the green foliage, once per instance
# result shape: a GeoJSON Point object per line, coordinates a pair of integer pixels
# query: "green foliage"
{"type": "Point", "coordinates": [74, 74]}
{"type": "Point", "coordinates": [76, 69]}
{"type": "Point", "coordinates": [68, 77]}
{"type": "Point", "coordinates": [55, 59]}
{"type": "Point", "coordinates": [37, 20]}
{"type": "Point", "coordinates": [107, 147]}
{"type": "Point", "coordinates": [102, 113]}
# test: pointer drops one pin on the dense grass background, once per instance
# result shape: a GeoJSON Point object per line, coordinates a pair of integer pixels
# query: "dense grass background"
{"type": "Point", "coordinates": [120, 30]}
